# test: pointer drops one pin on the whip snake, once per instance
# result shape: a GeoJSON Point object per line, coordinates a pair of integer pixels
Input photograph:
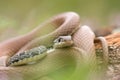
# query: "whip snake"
{"type": "Point", "coordinates": [61, 25]}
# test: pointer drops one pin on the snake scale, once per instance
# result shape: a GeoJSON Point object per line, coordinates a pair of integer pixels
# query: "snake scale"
{"type": "Point", "coordinates": [84, 47]}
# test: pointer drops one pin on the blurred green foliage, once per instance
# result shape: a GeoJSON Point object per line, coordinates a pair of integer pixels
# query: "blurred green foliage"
{"type": "Point", "coordinates": [20, 13]}
{"type": "Point", "coordinates": [27, 14]}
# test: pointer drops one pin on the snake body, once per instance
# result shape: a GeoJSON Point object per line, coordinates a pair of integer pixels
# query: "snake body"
{"type": "Point", "coordinates": [101, 52]}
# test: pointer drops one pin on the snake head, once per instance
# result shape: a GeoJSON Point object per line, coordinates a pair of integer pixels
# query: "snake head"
{"type": "Point", "coordinates": [63, 41]}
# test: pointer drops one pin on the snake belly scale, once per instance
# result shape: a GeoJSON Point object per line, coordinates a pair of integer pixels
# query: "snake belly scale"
{"type": "Point", "coordinates": [38, 53]}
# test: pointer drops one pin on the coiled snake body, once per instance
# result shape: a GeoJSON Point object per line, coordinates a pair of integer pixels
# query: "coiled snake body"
{"type": "Point", "coordinates": [61, 25]}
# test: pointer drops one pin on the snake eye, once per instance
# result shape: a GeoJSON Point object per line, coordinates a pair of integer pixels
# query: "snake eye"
{"type": "Point", "coordinates": [60, 40]}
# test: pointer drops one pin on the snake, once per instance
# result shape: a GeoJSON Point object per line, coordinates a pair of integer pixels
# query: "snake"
{"type": "Point", "coordinates": [82, 48]}
{"type": "Point", "coordinates": [38, 53]}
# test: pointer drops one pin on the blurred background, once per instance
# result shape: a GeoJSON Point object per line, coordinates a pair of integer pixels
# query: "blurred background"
{"type": "Point", "coordinates": [20, 16]}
